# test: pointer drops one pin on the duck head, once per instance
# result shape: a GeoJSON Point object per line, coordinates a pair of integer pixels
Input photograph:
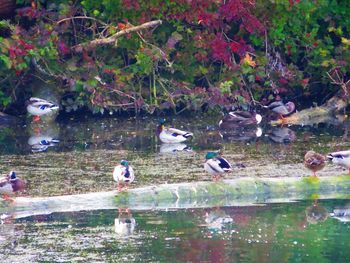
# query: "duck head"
{"type": "Point", "coordinates": [211, 155]}
{"type": "Point", "coordinates": [124, 163]}
{"type": "Point", "coordinates": [12, 176]}
{"type": "Point", "coordinates": [17, 183]}
{"type": "Point", "coordinates": [161, 125]}
{"type": "Point", "coordinates": [290, 106]}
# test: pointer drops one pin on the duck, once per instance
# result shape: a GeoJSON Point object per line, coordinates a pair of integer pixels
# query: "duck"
{"type": "Point", "coordinates": [341, 158]}
{"type": "Point", "coordinates": [123, 174]}
{"type": "Point", "coordinates": [39, 107]}
{"type": "Point", "coordinates": [280, 108]}
{"type": "Point", "coordinates": [216, 165]}
{"type": "Point", "coordinates": [314, 161]}
{"type": "Point", "coordinates": [239, 118]}
{"type": "Point", "coordinates": [172, 135]}
{"type": "Point", "coordinates": [10, 184]}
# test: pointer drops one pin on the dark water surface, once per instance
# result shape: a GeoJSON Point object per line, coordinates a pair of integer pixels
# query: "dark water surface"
{"type": "Point", "coordinates": [83, 160]}
{"type": "Point", "coordinates": [88, 149]}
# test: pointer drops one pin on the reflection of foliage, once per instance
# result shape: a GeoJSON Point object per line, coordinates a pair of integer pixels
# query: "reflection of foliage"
{"type": "Point", "coordinates": [206, 53]}
{"type": "Point", "coordinates": [273, 233]}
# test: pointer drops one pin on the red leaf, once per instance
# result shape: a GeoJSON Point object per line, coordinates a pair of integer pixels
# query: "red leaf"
{"type": "Point", "coordinates": [305, 82]}
{"type": "Point", "coordinates": [121, 26]}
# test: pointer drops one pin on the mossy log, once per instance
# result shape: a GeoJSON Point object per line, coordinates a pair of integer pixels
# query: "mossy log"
{"type": "Point", "coordinates": [237, 192]}
{"type": "Point", "coordinates": [319, 114]}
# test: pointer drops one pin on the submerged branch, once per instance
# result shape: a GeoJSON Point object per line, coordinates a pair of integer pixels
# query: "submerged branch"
{"type": "Point", "coordinates": [112, 39]}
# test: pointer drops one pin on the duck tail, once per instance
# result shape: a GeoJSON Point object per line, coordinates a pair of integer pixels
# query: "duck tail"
{"type": "Point", "coordinates": [330, 157]}
{"type": "Point", "coordinates": [188, 135]}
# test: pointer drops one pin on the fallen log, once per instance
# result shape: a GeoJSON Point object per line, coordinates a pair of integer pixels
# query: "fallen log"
{"type": "Point", "coordinates": [319, 114]}
{"type": "Point", "coordinates": [237, 192]}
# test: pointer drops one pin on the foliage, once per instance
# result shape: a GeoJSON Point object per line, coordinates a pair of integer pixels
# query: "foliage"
{"type": "Point", "coordinates": [206, 54]}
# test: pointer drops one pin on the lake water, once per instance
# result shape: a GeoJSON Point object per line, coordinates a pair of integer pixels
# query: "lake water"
{"type": "Point", "coordinates": [83, 160]}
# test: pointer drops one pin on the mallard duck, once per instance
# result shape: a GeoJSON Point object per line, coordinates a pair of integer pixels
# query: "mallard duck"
{"type": "Point", "coordinates": [172, 135]}
{"type": "Point", "coordinates": [39, 107]}
{"type": "Point", "coordinates": [341, 158]}
{"type": "Point", "coordinates": [216, 165]}
{"type": "Point", "coordinates": [10, 184]}
{"type": "Point", "coordinates": [280, 108]}
{"type": "Point", "coordinates": [239, 118]}
{"type": "Point", "coordinates": [314, 161]}
{"type": "Point", "coordinates": [123, 174]}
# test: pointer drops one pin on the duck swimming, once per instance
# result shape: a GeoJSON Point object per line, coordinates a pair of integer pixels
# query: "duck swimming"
{"type": "Point", "coordinates": [239, 118]}
{"type": "Point", "coordinates": [123, 174]}
{"type": "Point", "coordinates": [39, 107]}
{"type": "Point", "coordinates": [314, 161]}
{"type": "Point", "coordinates": [172, 135]}
{"type": "Point", "coordinates": [216, 165]}
{"type": "Point", "coordinates": [341, 158]}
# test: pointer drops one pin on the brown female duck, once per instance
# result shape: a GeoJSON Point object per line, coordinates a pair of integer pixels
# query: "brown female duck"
{"type": "Point", "coordinates": [314, 161]}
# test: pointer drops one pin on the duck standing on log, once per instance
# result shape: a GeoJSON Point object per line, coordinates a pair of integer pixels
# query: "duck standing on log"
{"type": "Point", "coordinates": [39, 107]}
{"type": "Point", "coordinates": [280, 108]}
{"type": "Point", "coordinates": [10, 184]}
{"type": "Point", "coordinates": [172, 135]}
{"type": "Point", "coordinates": [341, 158]}
{"type": "Point", "coordinates": [123, 174]}
{"type": "Point", "coordinates": [314, 161]}
{"type": "Point", "coordinates": [216, 165]}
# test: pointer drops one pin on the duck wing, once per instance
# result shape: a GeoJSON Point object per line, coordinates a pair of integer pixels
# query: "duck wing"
{"type": "Point", "coordinates": [315, 160]}
{"type": "Point", "coordinates": [176, 132]}
{"type": "Point", "coordinates": [224, 164]}
{"type": "Point", "coordinates": [275, 105]}
{"type": "Point", "coordinates": [241, 114]}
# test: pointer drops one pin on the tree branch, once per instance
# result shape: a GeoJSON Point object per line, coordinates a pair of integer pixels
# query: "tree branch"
{"type": "Point", "coordinates": [111, 40]}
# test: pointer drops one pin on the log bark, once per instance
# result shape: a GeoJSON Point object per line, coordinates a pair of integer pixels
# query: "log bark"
{"type": "Point", "coordinates": [318, 114]}
{"type": "Point", "coordinates": [112, 39]}
{"type": "Point", "coordinates": [237, 192]}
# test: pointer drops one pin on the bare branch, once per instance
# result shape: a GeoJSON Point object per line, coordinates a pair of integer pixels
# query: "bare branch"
{"type": "Point", "coordinates": [80, 17]}
{"type": "Point", "coordinates": [112, 39]}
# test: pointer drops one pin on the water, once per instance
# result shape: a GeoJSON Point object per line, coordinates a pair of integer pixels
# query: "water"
{"type": "Point", "coordinates": [293, 232]}
{"type": "Point", "coordinates": [82, 162]}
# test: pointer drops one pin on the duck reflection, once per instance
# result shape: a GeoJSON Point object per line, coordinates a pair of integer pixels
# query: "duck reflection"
{"type": "Point", "coordinates": [282, 135]}
{"type": "Point", "coordinates": [7, 231]}
{"type": "Point", "coordinates": [216, 219]}
{"type": "Point", "coordinates": [124, 224]}
{"type": "Point", "coordinates": [342, 214]}
{"type": "Point", "coordinates": [43, 136]}
{"type": "Point", "coordinates": [244, 134]}
{"type": "Point", "coordinates": [41, 143]}
{"type": "Point", "coordinates": [316, 213]}
{"type": "Point", "coordinates": [174, 148]}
